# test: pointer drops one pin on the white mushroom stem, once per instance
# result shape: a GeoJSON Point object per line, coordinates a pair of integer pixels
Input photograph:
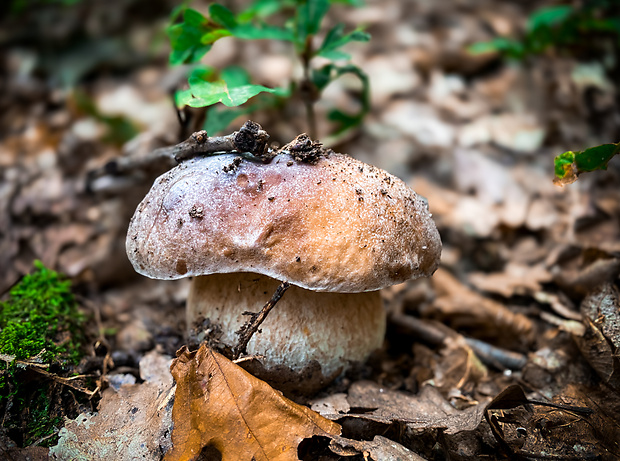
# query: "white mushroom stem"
{"type": "Point", "coordinates": [332, 329]}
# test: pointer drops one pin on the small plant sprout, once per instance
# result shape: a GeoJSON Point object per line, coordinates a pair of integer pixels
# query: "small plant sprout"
{"type": "Point", "coordinates": [569, 165]}
{"type": "Point", "coordinates": [587, 30]}
{"type": "Point", "coordinates": [559, 26]}
{"type": "Point", "coordinates": [299, 24]}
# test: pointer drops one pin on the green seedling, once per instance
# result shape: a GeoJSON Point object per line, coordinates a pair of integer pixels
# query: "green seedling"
{"type": "Point", "coordinates": [569, 165]}
{"type": "Point", "coordinates": [40, 335]}
{"type": "Point", "coordinates": [300, 24]}
{"type": "Point", "coordinates": [559, 26]}
{"type": "Point", "coordinates": [570, 29]}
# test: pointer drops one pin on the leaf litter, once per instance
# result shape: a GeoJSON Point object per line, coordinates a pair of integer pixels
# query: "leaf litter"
{"type": "Point", "coordinates": [219, 404]}
{"type": "Point", "coordinates": [527, 268]}
{"type": "Point", "coordinates": [131, 423]}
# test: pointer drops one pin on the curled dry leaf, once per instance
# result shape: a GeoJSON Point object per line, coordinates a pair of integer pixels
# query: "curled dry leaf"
{"type": "Point", "coordinates": [515, 279]}
{"type": "Point", "coordinates": [219, 404]}
{"type": "Point", "coordinates": [583, 281]}
{"type": "Point", "coordinates": [379, 449]}
{"type": "Point", "coordinates": [600, 344]}
{"type": "Point", "coordinates": [427, 411]}
{"type": "Point", "coordinates": [470, 309]}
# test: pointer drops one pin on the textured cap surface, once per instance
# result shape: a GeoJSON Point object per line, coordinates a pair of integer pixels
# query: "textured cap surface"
{"type": "Point", "coordinates": [336, 225]}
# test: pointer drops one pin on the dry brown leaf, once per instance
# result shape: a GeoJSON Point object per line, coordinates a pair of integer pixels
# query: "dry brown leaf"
{"type": "Point", "coordinates": [575, 424]}
{"type": "Point", "coordinates": [516, 278]}
{"type": "Point", "coordinates": [331, 405]}
{"type": "Point", "coordinates": [585, 280]}
{"type": "Point", "coordinates": [458, 367]}
{"type": "Point", "coordinates": [132, 423]}
{"type": "Point", "coordinates": [379, 449]}
{"type": "Point", "coordinates": [468, 308]}
{"type": "Point", "coordinates": [427, 410]}
{"type": "Point", "coordinates": [601, 343]}
{"type": "Point", "coordinates": [219, 404]}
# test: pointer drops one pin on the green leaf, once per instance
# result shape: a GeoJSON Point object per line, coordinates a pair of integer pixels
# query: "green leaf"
{"type": "Point", "coordinates": [330, 72]}
{"type": "Point", "coordinates": [336, 38]}
{"type": "Point", "coordinates": [231, 93]}
{"type": "Point", "coordinates": [322, 76]}
{"type": "Point", "coordinates": [549, 17]}
{"type": "Point", "coordinates": [177, 12]}
{"type": "Point", "coordinates": [596, 158]}
{"type": "Point", "coordinates": [246, 30]}
{"type": "Point", "coordinates": [214, 35]}
{"type": "Point", "coordinates": [563, 164]}
{"type": "Point", "coordinates": [235, 76]}
{"type": "Point", "coordinates": [570, 164]}
{"type": "Point", "coordinates": [186, 38]}
{"type": "Point", "coordinates": [193, 18]}
{"type": "Point", "coordinates": [505, 46]}
{"type": "Point", "coordinates": [261, 9]}
{"type": "Point", "coordinates": [219, 118]}
{"type": "Point", "coordinates": [309, 16]}
{"type": "Point", "coordinates": [356, 3]}
{"type": "Point", "coordinates": [262, 32]}
{"type": "Point", "coordinates": [194, 37]}
{"type": "Point", "coordinates": [223, 16]}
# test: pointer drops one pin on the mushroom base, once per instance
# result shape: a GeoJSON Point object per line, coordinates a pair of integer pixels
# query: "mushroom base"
{"type": "Point", "coordinates": [307, 340]}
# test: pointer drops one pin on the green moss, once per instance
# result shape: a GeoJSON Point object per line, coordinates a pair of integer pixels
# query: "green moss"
{"type": "Point", "coordinates": [39, 322]}
{"type": "Point", "coordinates": [41, 317]}
{"type": "Point", "coordinates": [41, 423]}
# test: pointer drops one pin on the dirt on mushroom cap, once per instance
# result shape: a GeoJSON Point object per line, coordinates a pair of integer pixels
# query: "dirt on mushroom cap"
{"type": "Point", "coordinates": [335, 225]}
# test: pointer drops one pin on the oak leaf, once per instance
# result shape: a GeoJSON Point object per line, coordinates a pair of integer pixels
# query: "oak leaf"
{"type": "Point", "coordinates": [219, 404]}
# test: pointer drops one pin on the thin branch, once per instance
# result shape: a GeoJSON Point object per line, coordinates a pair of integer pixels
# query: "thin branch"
{"type": "Point", "coordinates": [431, 334]}
{"type": "Point", "coordinates": [66, 381]}
{"type": "Point", "coordinates": [251, 140]}
{"type": "Point", "coordinates": [251, 326]}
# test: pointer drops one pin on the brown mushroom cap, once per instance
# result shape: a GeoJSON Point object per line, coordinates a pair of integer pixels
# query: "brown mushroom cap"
{"type": "Point", "coordinates": [334, 225]}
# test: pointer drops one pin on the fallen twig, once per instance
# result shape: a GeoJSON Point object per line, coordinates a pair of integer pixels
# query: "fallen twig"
{"type": "Point", "coordinates": [487, 353]}
{"type": "Point", "coordinates": [495, 356]}
{"type": "Point", "coordinates": [66, 381]}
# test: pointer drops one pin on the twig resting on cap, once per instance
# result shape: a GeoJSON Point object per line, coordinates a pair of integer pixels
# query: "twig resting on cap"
{"type": "Point", "coordinates": [250, 141]}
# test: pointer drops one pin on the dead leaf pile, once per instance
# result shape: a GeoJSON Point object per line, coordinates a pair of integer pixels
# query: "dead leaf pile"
{"type": "Point", "coordinates": [571, 428]}
{"type": "Point", "coordinates": [131, 423]}
{"type": "Point", "coordinates": [528, 288]}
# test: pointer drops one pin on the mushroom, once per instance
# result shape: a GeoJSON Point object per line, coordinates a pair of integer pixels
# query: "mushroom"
{"type": "Point", "coordinates": [336, 229]}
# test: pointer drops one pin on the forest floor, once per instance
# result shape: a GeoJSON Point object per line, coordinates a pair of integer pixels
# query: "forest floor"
{"type": "Point", "coordinates": [509, 350]}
